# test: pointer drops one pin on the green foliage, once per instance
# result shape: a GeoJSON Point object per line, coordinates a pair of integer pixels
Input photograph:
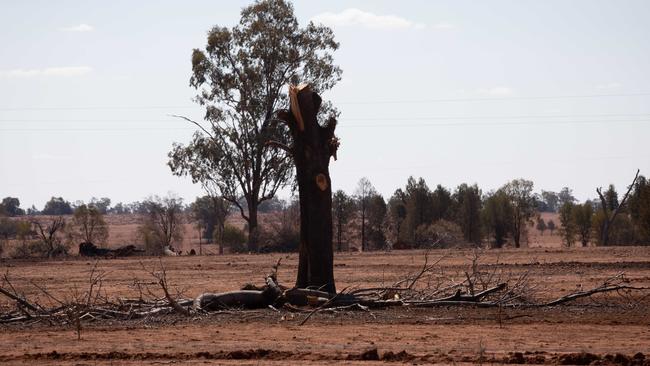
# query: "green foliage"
{"type": "Point", "coordinates": [283, 235]}
{"type": "Point", "coordinates": [441, 202]}
{"type": "Point", "coordinates": [377, 210]}
{"type": "Point", "coordinates": [162, 226]}
{"type": "Point", "coordinates": [234, 239]}
{"type": "Point", "coordinates": [24, 233]}
{"type": "Point", "coordinates": [397, 214]}
{"type": "Point", "coordinates": [549, 201]}
{"type": "Point", "coordinates": [8, 228]}
{"type": "Point", "coordinates": [120, 209]}
{"type": "Point", "coordinates": [10, 206]}
{"type": "Point", "coordinates": [522, 200]}
{"type": "Point", "coordinates": [210, 213]}
{"type": "Point", "coordinates": [364, 192]}
{"type": "Point", "coordinates": [272, 205]}
{"type": "Point", "coordinates": [102, 205]}
{"type": "Point", "coordinates": [639, 207]}
{"type": "Point", "coordinates": [419, 207]}
{"type": "Point", "coordinates": [611, 198]}
{"type": "Point", "coordinates": [583, 219]}
{"type": "Point", "coordinates": [241, 79]}
{"type": "Point", "coordinates": [622, 231]}
{"type": "Point", "coordinates": [51, 237]}
{"type": "Point", "coordinates": [565, 195]}
{"type": "Point", "coordinates": [467, 200]}
{"type": "Point", "coordinates": [497, 217]}
{"type": "Point", "coordinates": [57, 206]}
{"type": "Point", "coordinates": [440, 234]}
{"type": "Point", "coordinates": [567, 219]}
{"type": "Point", "coordinates": [88, 225]}
{"type": "Point", "coordinates": [343, 209]}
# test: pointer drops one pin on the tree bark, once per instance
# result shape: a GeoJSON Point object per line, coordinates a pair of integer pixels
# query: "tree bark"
{"type": "Point", "coordinates": [363, 225]}
{"type": "Point", "coordinates": [313, 146]}
{"type": "Point", "coordinates": [253, 232]}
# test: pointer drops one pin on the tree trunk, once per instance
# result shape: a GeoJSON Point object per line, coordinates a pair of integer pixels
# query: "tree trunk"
{"type": "Point", "coordinates": [604, 239]}
{"type": "Point", "coordinates": [253, 229]}
{"type": "Point", "coordinates": [313, 145]}
{"type": "Point", "coordinates": [338, 234]}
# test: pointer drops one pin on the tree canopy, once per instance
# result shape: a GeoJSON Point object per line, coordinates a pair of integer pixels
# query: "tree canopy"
{"type": "Point", "coordinates": [240, 78]}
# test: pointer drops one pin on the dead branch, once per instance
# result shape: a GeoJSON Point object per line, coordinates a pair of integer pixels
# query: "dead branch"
{"type": "Point", "coordinates": [279, 145]}
{"type": "Point", "coordinates": [162, 281]}
{"type": "Point", "coordinates": [323, 306]}
{"type": "Point", "coordinates": [499, 291]}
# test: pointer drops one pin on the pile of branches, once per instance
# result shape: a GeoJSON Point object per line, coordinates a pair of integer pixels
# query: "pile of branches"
{"type": "Point", "coordinates": [89, 305]}
{"type": "Point", "coordinates": [478, 286]}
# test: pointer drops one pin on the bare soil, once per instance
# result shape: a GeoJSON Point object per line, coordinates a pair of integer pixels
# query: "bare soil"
{"type": "Point", "coordinates": [581, 333]}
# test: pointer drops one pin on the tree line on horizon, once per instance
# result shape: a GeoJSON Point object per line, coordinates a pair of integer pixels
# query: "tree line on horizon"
{"type": "Point", "coordinates": [415, 216]}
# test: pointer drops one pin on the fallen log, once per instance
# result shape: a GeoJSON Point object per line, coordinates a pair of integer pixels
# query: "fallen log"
{"type": "Point", "coordinates": [247, 299]}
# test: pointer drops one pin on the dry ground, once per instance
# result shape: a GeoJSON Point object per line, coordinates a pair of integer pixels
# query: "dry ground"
{"type": "Point", "coordinates": [445, 335]}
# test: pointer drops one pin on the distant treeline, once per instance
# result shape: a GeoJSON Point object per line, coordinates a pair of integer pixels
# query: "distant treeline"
{"type": "Point", "coordinates": [415, 216]}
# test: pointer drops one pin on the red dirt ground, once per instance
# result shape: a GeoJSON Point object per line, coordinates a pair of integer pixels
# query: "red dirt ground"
{"type": "Point", "coordinates": [581, 333]}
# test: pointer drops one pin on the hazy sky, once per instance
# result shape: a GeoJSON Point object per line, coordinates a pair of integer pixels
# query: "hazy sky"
{"type": "Point", "coordinates": [454, 91]}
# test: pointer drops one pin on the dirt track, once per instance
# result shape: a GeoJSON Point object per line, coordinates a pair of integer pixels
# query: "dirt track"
{"type": "Point", "coordinates": [425, 335]}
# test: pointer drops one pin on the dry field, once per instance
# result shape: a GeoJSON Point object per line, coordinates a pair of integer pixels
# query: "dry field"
{"type": "Point", "coordinates": [603, 327]}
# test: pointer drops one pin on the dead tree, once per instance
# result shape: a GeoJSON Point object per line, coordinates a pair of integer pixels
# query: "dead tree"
{"type": "Point", "coordinates": [313, 146]}
{"type": "Point", "coordinates": [48, 234]}
{"type": "Point", "coordinates": [610, 216]}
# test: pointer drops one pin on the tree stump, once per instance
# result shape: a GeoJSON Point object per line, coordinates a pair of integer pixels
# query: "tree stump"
{"type": "Point", "coordinates": [313, 146]}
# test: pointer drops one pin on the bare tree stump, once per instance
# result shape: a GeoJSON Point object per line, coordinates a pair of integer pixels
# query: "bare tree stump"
{"type": "Point", "coordinates": [313, 146]}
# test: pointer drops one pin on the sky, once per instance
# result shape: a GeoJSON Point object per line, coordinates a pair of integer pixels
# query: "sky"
{"type": "Point", "coordinates": [557, 92]}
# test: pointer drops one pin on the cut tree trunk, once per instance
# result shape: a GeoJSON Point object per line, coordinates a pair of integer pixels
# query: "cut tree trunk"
{"type": "Point", "coordinates": [313, 146]}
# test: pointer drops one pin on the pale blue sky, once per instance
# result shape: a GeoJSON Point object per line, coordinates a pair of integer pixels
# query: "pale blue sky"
{"type": "Point", "coordinates": [86, 88]}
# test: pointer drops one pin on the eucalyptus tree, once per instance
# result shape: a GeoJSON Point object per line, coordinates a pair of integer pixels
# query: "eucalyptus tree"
{"type": "Point", "coordinates": [343, 209]}
{"type": "Point", "coordinates": [88, 225]}
{"type": "Point", "coordinates": [363, 193]}
{"type": "Point", "coordinates": [520, 193]}
{"type": "Point", "coordinates": [240, 78]}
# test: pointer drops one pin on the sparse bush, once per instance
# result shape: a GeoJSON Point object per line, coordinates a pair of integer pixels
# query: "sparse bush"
{"type": "Point", "coordinates": [621, 232]}
{"type": "Point", "coordinates": [89, 225]}
{"type": "Point", "coordinates": [145, 235]}
{"type": "Point", "coordinates": [234, 238]}
{"type": "Point", "coordinates": [162, 226]}
{"type": "Point", "coordinates": [51, 235]}
{"type": "Point", "coordinates": [443, 232]}
{"type": "Point", "coordinates": [568, 230]}
{"type": "Point", "coordinates": [22, 251]}
{"type": "Point", "coordinates": [282, 235]}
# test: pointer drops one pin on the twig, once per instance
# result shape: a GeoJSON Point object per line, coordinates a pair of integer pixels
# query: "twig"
{"type": "Point", "coordinates": [331, 300]}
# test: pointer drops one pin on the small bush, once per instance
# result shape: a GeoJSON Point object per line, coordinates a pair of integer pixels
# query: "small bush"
{"type": "Point", "coordinates": [150, 241]}
{"type": "Point", "coordinates": [445, 233]}
{"type": "Point", "coordinates": [282, 238]}
{"type": "Point", "coordinates": [234, 238]}
{"type": "Point", "coordinates": [40, 249]}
